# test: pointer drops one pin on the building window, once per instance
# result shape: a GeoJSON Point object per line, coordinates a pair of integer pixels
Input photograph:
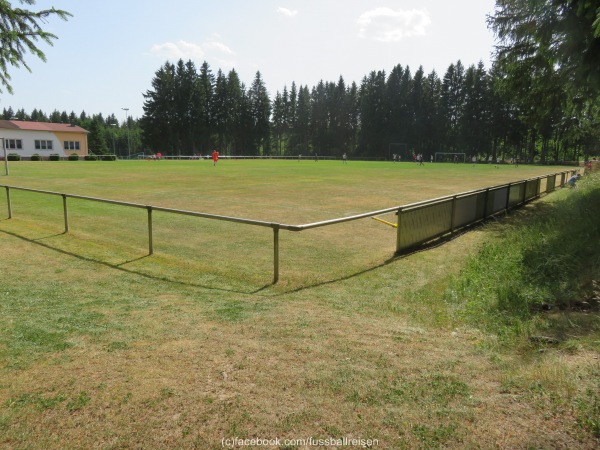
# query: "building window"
{"type": "Point", "coordinates": [43, 145]}
{"type": "Point", "coordinates": [71, 145]}
{"type": "Point", "coordinates": [14, 144]}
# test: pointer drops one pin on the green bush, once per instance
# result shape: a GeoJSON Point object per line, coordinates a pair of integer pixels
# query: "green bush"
{"type": "Point", "coordinates": [13, 157]}
{"type": "Point", "coordinates": [74, 157]}
{"type": "Point", "coordinates": [91, 158]}
{"type": "Point", "coordinates": [54, 157]}
{"type": "Point", "coordinates": [109, 158]}
{"type": "Point", "coordinates": [36, 157]}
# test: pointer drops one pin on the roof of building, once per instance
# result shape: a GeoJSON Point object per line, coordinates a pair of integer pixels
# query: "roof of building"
{"type": "Point", "coordinates": [40, 126]}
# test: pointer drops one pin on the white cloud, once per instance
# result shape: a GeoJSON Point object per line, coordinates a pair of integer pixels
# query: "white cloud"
{"type": "Point", "coordinates": [178, 50]}
{"type": "Point", "coordinates": [188, 50]}
{"type": "Point", "coordinates": [219, 46]}
{"type": "Point", "coordinates": [287, 12]}
{"type": "Point", "coordinates": [388, 25]}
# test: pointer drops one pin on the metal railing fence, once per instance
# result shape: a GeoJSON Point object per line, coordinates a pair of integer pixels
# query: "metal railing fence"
{"type": "Point", "coordinates": [418, 222]}
{"type": "Point", "coordinates": [423, 221]}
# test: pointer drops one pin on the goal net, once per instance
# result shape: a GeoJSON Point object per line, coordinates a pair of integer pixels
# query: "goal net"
{"type": "Point", "coordinates": [450, 157]}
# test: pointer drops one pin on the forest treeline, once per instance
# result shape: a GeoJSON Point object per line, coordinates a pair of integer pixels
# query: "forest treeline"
{"type": "Point", "coordinates": [538, 102]}
{"type": "Point", "coordinates": [469, 110]}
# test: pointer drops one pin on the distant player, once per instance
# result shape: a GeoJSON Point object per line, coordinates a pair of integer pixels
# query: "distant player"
{"type": "Point", "coordinates": [573, 180]}
{"type": "Point", "coordinates": [344, 158]}
{"type": "Point", "coordinates": [215, 157]}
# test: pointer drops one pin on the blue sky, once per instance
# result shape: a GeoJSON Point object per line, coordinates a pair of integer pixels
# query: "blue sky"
{"type": "Point", "coordinates": [107, 54]}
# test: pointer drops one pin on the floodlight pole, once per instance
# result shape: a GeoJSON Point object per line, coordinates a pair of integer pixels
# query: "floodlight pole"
{"type": "Point", "coordinates": [127, 125]}
{"type": "Point", "coordinates": [113, 138]}
{"type": "Point", "coordinates": [5, 158]}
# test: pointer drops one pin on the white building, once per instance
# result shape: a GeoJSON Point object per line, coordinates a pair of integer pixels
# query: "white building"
{"type": "Point", "coordinates": [42, 138]}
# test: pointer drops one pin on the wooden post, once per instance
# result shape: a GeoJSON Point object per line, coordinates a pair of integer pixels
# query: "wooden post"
{"type": "Point", "coordinates": [399, 214]}
{"type": "Point", "coordinates": [8, 202]}
{"type": "Point", "coordinates": [65, 213]}
{"type": "Point", "coordinates": [150, 239]}
{"type": "Point", "coordinates": [275, 253]}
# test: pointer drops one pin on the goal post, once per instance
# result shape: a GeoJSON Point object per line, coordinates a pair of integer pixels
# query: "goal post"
{"type": "Point", "coordinates": [450, 157]}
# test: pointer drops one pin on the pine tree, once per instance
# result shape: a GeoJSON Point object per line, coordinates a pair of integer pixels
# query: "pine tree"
{"type": "Point", "coordinates": [220, 111]}
{"type": "Point", "coordinates": [399, 115]}
{"type": "Point", "coordinates": [38, 116]}
{"type": "Point", "coordinates": [97, 142]}
{"type": "Point", "coordinates": [158, 121]}
{"type": "Point", "coordinates": [55, 117]}
{"type": "Point", "coordinates": [20, 31]}
{"type": "Point", "coordinates": [319, 118]}
{"type": "Point", "coordinates": [452, 103]}
{"type": "Point", "coordinates": [300, 136]}
{"type": "Point", "coordinates": [233, 125]}
{"type": "Point", "coordinates": [203, 108]}
{"type": "Point", "coordinates": [21, 115]}
{"type": "Point", "coordinates": [260, 109]}
{"type": "Point", "coordinates": [566, 35]}
{"type": "Point", "coordinates": [278, 122]}
{"type": "Point", "coordinates": [7, 114]}
{"type": "Point", "coordinates": [374, 113]}
{"type": "Point", "coordinates": [186, 80]}
{"type": "Point", "coordinates": [474, 121]}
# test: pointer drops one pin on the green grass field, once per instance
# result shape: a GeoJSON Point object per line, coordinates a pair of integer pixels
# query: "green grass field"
{"type": "Point", "coordinates": [102, 346]}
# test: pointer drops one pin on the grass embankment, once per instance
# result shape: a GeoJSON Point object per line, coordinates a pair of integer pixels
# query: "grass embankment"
{"type": "Point", "coordinates": [536, 287]}
{"type": "Point", "coordinates": [545, 261]}
{"type": "Point", "coordinates": [101, 347]}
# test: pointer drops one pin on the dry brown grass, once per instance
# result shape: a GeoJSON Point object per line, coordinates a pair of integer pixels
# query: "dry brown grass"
{"type": "Point", "coordinates": [317, 374]}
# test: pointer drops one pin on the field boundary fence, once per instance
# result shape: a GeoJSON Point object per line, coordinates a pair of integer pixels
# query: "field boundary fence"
{"type": "Point", "coordinates": [417, 223]}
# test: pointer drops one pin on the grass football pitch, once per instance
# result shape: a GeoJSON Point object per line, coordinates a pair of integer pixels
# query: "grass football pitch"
{"type": "Point", "coordinates": [221, 254]}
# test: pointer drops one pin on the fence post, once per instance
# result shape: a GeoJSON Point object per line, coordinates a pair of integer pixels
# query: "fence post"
{"type": "Point", "coordinates": [399, 214]}
{"type": "Point", "coordinates": [8, 202]}
{"type": "Point", "coordinates": [65, 213]}
{"type": "Point", "coordinates": [453, 218]}
{"type": "Point", "coordinates": [485, 203]}
{"type": "Point", "coordinates": [275, 253]}
{"type": "Point", "coordinates": [150, 241]}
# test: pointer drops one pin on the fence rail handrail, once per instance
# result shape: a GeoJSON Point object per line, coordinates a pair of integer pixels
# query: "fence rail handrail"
{"type": "Point", "coordinates": [289, 227]}
{"type": "Point", "coordinates": [144, 206]}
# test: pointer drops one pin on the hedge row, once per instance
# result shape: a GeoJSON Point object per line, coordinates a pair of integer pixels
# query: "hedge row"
{"type": "Point", "coordinates": [56, 157]}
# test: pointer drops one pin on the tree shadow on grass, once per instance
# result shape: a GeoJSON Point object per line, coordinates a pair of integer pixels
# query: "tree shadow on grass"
{"type": "Point", "coordinates": [438, 242]}
{"type": "Point", "coordinates": [120, 265]}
